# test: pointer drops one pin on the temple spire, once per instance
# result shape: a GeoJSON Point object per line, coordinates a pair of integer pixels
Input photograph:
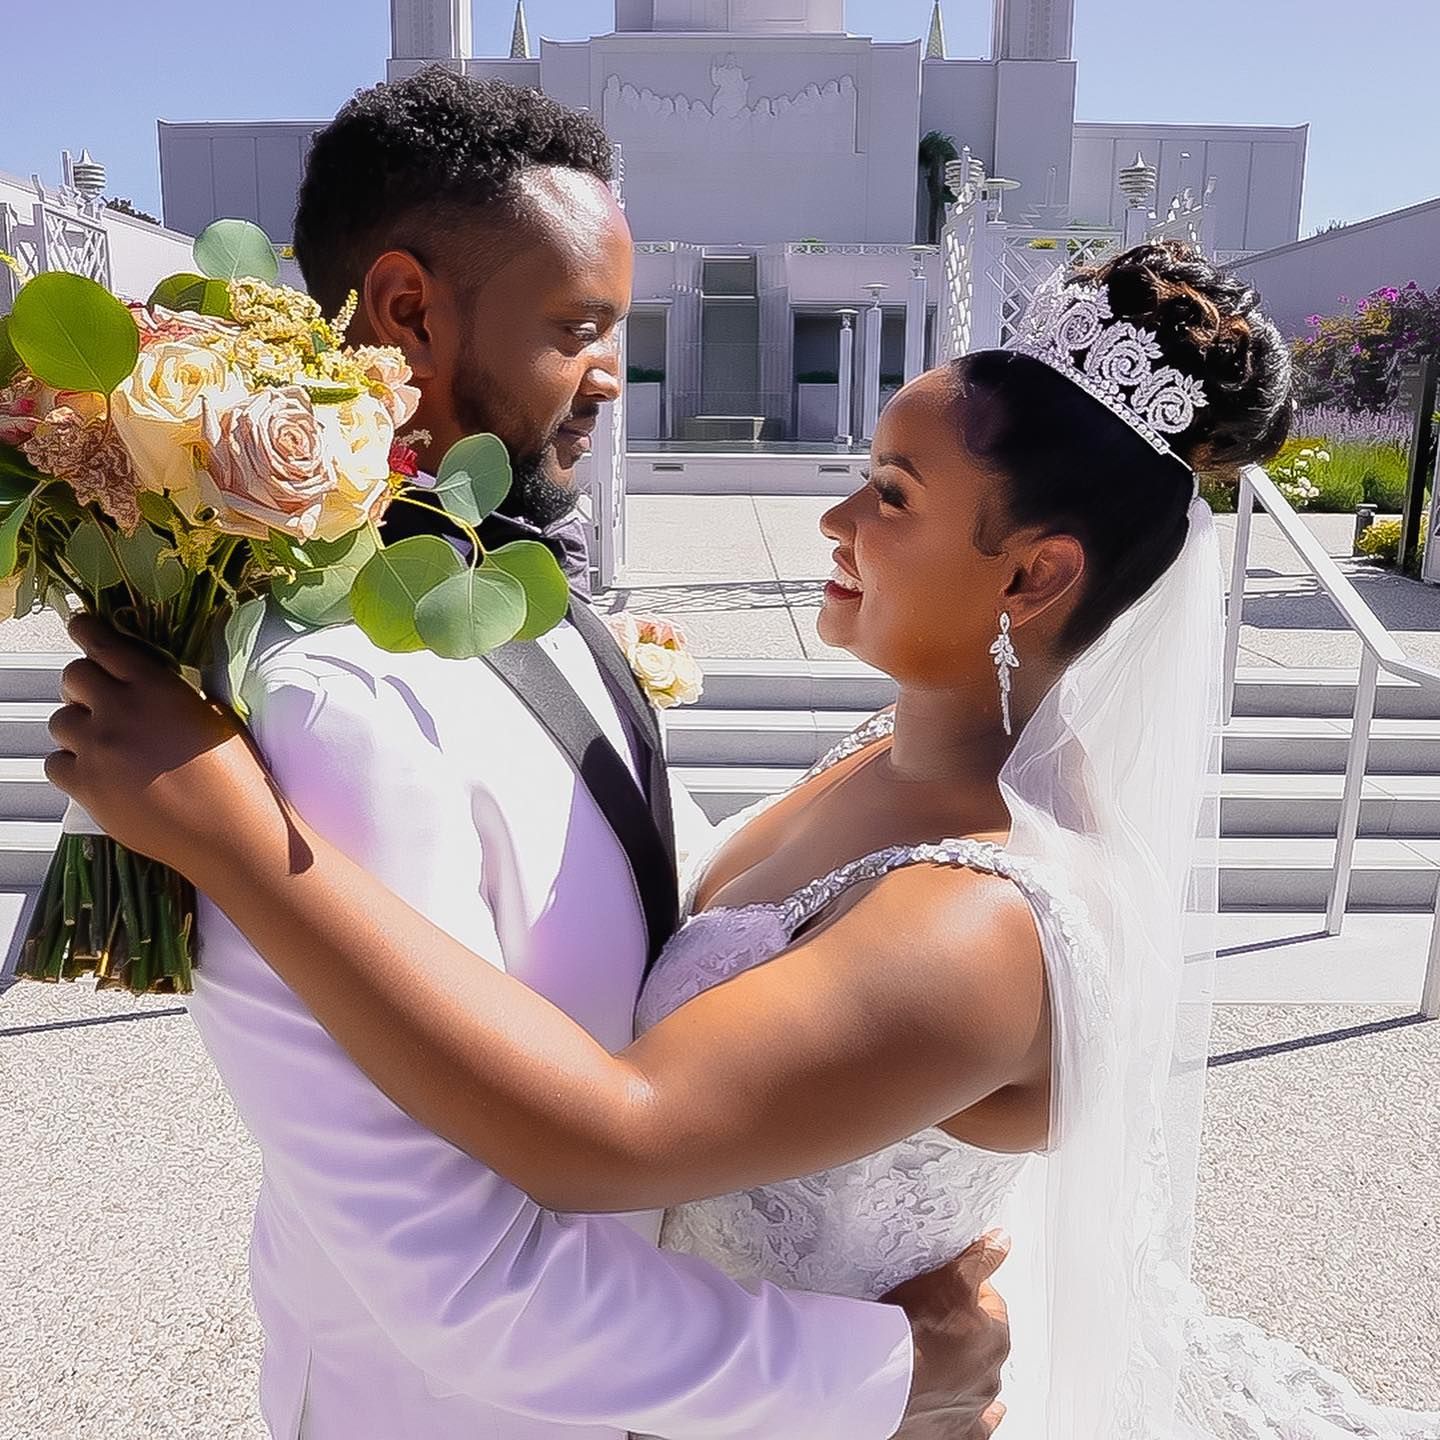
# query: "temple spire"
{"type": "Point", "coordinates": [520, 37]}
{"type": "Point", "coordinates": [935, 46]}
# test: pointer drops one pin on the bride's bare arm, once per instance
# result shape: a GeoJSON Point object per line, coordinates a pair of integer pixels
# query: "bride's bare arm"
{"type": "Point", "coordinates": [922, 999]}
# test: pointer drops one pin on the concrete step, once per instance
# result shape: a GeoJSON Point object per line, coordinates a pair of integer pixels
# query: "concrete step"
{"type": "Point", "coordinates": [25, 793]}
{"type": "Point", "coordinates": [850, 685]}
{"type": "Point", "coordinates": [1328, 693]}
{"type": "Point", "coordinates": [25, 850]}
{"type": "Point", "coordinates": [23, 728]}
{"type": "Point", "coordinates": [1288, 873]}
{"type": "Point", "coordinates": [1258, 744]}
{"type": "Point", "coordinates": [751, 737]}
{"type": "Point", "coordinates": [794, 685]}
{"type": "Point", "coordinates": [32, 674]}
{"type": "Point", "coordinates": [1254, 744]}
{"type": "Point", "coordinates": [1309, 805]}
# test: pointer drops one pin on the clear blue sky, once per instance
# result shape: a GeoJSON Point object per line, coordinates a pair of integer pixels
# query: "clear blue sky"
{"type": "Point", "coordinates": [1362, 72]}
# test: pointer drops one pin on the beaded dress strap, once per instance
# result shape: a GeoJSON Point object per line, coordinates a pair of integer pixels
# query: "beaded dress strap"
{"type": "Point", "coordinates": [877, 727]}
{"type": "Point", "coordinates": [807, 902]}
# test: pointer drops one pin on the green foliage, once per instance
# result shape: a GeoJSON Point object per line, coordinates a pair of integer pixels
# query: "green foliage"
{"type": "Point", "coordinates": [1354, 360]}
{"type": "Point", "coordinates": [471, 613]}
{"type": "Point", "coordinates": [1218, 493]}
{"type": "Point", "coordinates": [643, 375]}
{"type": "Point", "coordinates": [73, 334]}
{"type": "Point", "coordinates": [89, 555]}
{"type": "Point", "coordinates": [392, 583]}
{"type": "Point", "coordinates": [242, 631]}
{"type": "Point", "coordinates": [10, 360]}
{"type": "Point", "coordinates": [153, 574]}
{"type": "Point", "coordinates": [1381, 541]}
{"type": "Point", "coordinates": [10, 538]}
{"type": "Point", "coordinates": [817, 377]}
{"type": "Point", "coordinates": [193, 292]}
{"type": "Point", "coordinates": [18, 477]}
{"type": "Point", "coordinates": [547, 591]}
{"type": "Point", "coordinates": [325, 575]}
{"type": "Point", "coordinates": [236, 250]}
{"type": "Point", "coordinates": [473, 478]}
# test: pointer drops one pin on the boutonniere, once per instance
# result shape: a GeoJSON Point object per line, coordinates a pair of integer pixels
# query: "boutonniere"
{"type": "Point", "coordinates": [659, 654]}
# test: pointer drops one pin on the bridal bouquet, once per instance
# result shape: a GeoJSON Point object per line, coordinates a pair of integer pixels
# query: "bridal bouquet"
{"type": "Point", "coordinates": [175, 467]}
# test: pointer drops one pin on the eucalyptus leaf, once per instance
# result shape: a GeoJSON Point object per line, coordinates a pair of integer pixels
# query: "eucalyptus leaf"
{"type": "Point", "coordinates": [73, 334]}
{"type": "Point", "coordinates": [10, 361]}
{"type": "Point", "coordinates": [152, 573]}
{"type": "Point", "coordinates": [392, 583]}
{"type": "Point", "coordinates": [195, 293]}
{"type": "Point", "coordinates": [157, 509]}
{"type": "Point", "coordinates": [28, 595]}
{"type": "Point", "coordinates": [236, 250]}
{"type": "Point", "coordinates": [242, 631]}
{"type": "Point", "coordinates": [321, 595]}
{"type": "Point", "coordinates": [10, 538]}
{"type": "Point", "coordinates": [89, 556]}
{"type": "Point", "coordinates": [547, 591]}
{"type": "Point", "coordinates": [471, 613]}
{"type": "Point", "coordinates": [474, 477]}
{"type": "Point", "coordinates": [18, 477]}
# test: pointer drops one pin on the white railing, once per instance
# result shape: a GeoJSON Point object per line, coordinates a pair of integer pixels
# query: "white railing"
{"type": "Point", "coordinates": [1378, 652]}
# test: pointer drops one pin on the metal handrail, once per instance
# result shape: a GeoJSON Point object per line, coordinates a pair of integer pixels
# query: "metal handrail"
{"type": "Point", "coordinates": [1379, 651]}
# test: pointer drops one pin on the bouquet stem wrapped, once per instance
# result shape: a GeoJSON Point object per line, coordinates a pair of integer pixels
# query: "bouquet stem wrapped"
{"type": "Point", "coordinates": [181, 469]}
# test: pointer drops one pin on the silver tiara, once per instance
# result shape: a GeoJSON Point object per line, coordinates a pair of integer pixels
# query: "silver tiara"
{"type": "Point", "coordinates": [1070, 327]}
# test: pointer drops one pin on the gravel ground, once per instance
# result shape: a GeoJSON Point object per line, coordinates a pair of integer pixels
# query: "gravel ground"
{"type": "Point", "coordinates": [123, 1306]}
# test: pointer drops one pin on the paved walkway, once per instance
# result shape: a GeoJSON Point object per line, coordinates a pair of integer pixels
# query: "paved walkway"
{"type": "Point", "coordinates": [122, 1281]}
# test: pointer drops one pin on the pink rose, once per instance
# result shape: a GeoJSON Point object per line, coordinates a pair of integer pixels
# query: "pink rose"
{"type": "Point", "coordinates": [20, 411]}
{"type": "Point", "coordinates": [267, 465]}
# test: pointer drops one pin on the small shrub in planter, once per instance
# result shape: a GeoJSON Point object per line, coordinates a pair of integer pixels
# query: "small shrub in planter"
{"type": "Point", "coordinates": [1381, 542]}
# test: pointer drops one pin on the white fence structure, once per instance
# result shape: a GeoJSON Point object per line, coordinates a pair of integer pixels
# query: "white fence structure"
{"type": "Point", "coordinates": [46, 227]}
{"type": "Point", "coordinates": [991, 267]}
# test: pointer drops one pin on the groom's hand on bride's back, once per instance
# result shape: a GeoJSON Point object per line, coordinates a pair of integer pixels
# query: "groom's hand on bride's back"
{"type": "Point", "coordinates": [962, 1336]}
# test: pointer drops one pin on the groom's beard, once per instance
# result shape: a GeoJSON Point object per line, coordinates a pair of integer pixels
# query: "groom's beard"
{"type": "Point", "coordinates": [538, 494]}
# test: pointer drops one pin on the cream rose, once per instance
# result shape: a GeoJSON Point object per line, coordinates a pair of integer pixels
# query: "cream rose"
{"type": "Point", "coordinates": [157, 413]}
{"type": "Point", "coordinates": [669, 677]}
{"type": "Point", "coordinates": [357, 437]}
{"type": "Point", "coordinates": [269, 464]}
{"type": "Point", "coordinates": [385, 370]}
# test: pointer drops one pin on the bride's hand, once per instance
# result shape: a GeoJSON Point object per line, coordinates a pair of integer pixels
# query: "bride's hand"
{"type": "Point", "coordinates": [162, 770]}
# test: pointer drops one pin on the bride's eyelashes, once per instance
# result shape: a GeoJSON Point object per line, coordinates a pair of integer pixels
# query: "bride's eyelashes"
{"type": "Point", "coordinates": [889, 492]}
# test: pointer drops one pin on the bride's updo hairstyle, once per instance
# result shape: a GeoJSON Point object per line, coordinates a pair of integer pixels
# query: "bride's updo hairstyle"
{"type": "Point", "coordinates": [1069, 466]}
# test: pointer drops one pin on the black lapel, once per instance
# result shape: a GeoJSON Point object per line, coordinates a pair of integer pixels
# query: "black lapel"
{"type": "Point", "coordinates": [615, 668]}
{"type": "Point", "coordinates": [536, 679]}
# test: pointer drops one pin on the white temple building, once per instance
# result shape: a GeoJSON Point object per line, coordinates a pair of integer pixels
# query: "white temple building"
{"type": "Point", "coordinates": [772, 175]}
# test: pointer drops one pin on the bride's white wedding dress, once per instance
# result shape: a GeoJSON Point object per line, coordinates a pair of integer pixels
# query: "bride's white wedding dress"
{"type": "Point", "coordinates": [860, 1229]}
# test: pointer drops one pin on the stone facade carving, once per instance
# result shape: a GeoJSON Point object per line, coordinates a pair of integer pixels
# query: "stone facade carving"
{"type": "Point", "coordinates": [819, 117]}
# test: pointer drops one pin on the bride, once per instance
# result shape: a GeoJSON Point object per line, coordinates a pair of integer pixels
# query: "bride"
{"type": "Point", "coordinates": [963, 960]}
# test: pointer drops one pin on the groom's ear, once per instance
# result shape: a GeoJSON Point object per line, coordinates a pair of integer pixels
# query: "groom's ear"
{"type": "Point", "coordinates": [398, 301]}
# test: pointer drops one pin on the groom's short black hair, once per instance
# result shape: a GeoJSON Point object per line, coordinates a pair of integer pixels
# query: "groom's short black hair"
{"type": "Point", "coordinates": [407, 164]}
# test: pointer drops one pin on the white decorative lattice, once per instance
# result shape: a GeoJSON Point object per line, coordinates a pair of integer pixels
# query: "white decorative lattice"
{"type": "Point", "coordinates": [1028, 259]}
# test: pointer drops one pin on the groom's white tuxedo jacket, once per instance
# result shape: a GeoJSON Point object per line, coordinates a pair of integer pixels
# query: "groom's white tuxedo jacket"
{"type": "Point", "coordinates": [407, 1292]}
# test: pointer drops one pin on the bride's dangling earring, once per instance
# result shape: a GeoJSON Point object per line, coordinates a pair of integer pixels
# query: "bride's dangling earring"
{"type": "Point", "coordinates": [1006, 660]}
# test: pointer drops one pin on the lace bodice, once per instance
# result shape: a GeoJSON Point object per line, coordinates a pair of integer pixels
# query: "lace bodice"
{"type": "Point", "coordinates": [862, 1228]}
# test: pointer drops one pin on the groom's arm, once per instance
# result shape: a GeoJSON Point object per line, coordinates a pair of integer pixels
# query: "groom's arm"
{"type": "Point", "coordinates": [576, 1321]}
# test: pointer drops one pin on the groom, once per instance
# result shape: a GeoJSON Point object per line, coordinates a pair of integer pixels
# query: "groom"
{"type": "Point", "coordinates": [408, 1293]}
